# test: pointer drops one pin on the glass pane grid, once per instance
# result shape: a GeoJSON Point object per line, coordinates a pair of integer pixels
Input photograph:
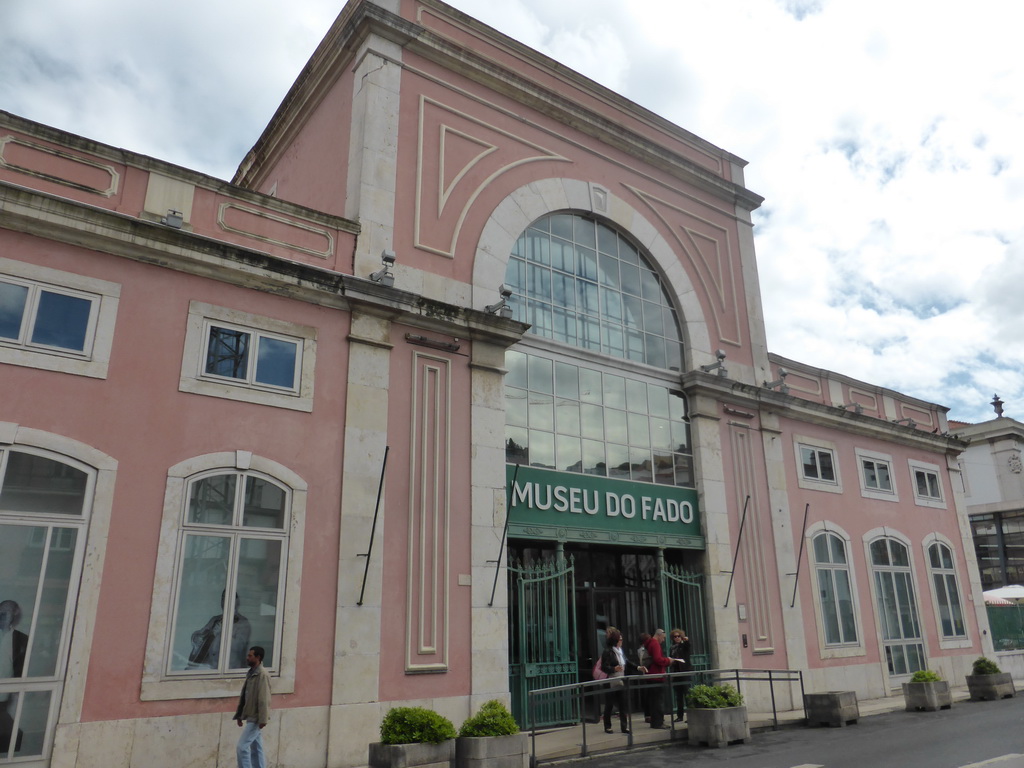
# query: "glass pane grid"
{"type": "Point", "coordinates": [565, 268]}
{"type": "Point", "coordinates": [573, 419]}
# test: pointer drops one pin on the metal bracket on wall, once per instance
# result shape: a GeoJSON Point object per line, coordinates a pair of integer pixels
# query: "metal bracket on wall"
{"type": "Point", "coordinates": [373, 528]}
{"type": "Point", "coordinates": [736, 555]}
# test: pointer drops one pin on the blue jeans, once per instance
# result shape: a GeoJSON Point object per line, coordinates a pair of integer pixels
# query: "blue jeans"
{"type": "Point", "coordinates": [250, 746]}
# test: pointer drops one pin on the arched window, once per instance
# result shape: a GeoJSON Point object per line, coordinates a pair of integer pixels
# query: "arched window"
{"type": "Point", "coordinates": [834, 592]}
{"type": "Point", "coordinates": [947, 592]}
{"type": "Point", "coordinates": [232, 549]}
{"type": "Point", "coordinates": [44, 507]}
{"type": "Point", "coordinates": [897, 607]}
{"type": "Point", "coordinates": [582, 283]}
{"type": "Point", "coordinates": [578, 281]}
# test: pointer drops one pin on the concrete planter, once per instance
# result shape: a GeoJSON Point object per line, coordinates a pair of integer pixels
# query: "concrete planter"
{"type": "Point", "coordinates": [717, 727]}
{"type": "Point", "coordinates": [927, 696]}
{"type": "Point", "coordinates": [991, 687]}
{"type": "Point", "coordinates": [834, 708]}
{"type": "Point", "coordinates": [409, 755]}
{"type": "Point", "coordinates": [493, 751]}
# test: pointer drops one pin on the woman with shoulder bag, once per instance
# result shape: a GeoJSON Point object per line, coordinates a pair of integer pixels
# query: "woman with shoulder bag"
{"type": "Point", "coordinates": [615, 664]}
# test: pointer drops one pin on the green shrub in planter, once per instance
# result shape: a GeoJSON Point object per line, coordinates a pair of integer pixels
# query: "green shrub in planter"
{"type": "Point", "coordinates": [985, 666]}
{"type": "Point", "coordinates": [415, 725]}
{"type": "Point", "coordinates": [493, 719]}
{"type": "Point", "coordinates": [714, 696]}
{"type": "Point", "coordinates": [925, 676]}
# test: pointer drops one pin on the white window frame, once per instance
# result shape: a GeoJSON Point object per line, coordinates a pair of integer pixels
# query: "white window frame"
{"type": "Point", "coordinates": [946, 641]}
{"type": "Point", "coordinates": [877, 458]}
{"type": "Point", "coordinates": [157, 683]}
{"type": "Point", "coordinates": [811, 483]}
{"type": "Point", "coordinates": [94, 358]}
{"type": "Point", "coordinates": [927, 501]}
{"type": "Point", "coordinates": [826, 650]}
{"type": "Point", "coordinates": [194, 379]}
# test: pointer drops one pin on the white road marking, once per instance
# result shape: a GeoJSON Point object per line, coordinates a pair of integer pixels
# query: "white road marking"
{"type": "Point", "coordinates": [995, 760]}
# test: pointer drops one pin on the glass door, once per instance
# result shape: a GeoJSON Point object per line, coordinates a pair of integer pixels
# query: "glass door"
{"type": "Point", "coordinates": [42, 525]}
{"type": "Point", "coordinates": [897, 610]}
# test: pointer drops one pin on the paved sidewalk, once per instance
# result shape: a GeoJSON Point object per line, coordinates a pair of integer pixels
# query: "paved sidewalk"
{"type": "Point", "coordinates": [581, 741]}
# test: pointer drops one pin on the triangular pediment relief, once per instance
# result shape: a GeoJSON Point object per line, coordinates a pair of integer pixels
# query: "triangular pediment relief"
{"type": "Point", "coordinates": [459, 157]}
{"type": "Point", "coordinates": [709, 256]}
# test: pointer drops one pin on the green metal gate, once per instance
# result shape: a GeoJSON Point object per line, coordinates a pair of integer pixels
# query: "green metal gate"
{"type": "Point", "coordinates": [682, 605]}
{"type": "Point", "coordinates": [542, 636]}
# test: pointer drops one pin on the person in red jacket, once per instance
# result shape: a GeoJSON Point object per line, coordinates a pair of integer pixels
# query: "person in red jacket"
{"type": "Point", "coordinates": [657, 663]}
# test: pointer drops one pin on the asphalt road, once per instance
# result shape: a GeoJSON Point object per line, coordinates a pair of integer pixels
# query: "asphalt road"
{"type": "Point", "coordinates": [987, 732]}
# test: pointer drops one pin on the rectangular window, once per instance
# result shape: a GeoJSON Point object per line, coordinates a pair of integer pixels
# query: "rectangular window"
{"type": "Point", "coordinates": [817, 464]}
{"type": "Point", "coordinates": [876, 475]}
{"type": "Point", "coordinates": [242, 356]}
{"type": "Point", "coordinates": [43, 317]}
{"type": "Point", "coordinates": [252, 357]}
{"type": "Point", "coordinates": [927, 484]}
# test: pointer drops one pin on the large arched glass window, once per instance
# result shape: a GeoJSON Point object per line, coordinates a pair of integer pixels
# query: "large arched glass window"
{"type": "Point", "coordinates": [578, 281]}
{"type": "Point", "coordinates": [834, 591]}
{"type": "Point", "coordinates": [947, 593]}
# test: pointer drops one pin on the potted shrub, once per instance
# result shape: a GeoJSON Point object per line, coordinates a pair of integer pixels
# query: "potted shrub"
{"type": "Point", "coordinates": [414, 736]}
{"type": "Point", "coordinates": [491, 738]}
{"type": "Point", "coordinates": [716, 715]}
{"type": "Point", "coordinates": [987, 681]}
{"type": "Point", "coordinates": [927, 691]}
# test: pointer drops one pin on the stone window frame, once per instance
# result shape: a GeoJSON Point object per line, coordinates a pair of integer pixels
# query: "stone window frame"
{"type": "Point", "coordinates": [94, 360]}
{"type": "Point", "coordinates": [157, 683]}
{"type": "Point", "coordinates": [194, 380]}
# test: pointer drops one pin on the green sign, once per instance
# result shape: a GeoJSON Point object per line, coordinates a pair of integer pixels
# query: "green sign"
{"type": "Point", "coordinates": [565, 506]}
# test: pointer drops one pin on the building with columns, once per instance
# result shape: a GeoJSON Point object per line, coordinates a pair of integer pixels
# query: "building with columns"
{"type": "Point", "coordinates": [466, 364]}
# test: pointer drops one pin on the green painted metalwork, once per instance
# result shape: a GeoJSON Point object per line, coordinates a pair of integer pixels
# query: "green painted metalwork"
{"type": "Point", "coordinates": [682, 605]}
{"type": "Point", "coordinates": [542, 637]}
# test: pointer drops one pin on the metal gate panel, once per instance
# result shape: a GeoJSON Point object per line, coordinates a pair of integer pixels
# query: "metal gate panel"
{"type": "Point", "coordinates": [683, 606]}
{"type": "Point", "coordinates": [541, 644]}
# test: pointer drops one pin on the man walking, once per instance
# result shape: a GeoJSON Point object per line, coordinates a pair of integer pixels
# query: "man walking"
{"type": "Point", "coordinates": [253, 711]}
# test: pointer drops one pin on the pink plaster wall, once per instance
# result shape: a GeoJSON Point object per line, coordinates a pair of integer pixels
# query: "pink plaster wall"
{"type": "Point", "coordinates": [395, 684]}
{"type": "Point", "coordinates": [138, 416]}
{"type": "Point", "coordinates": [313, 170]}
{"type": "Point", "coordinates": [857, 515]}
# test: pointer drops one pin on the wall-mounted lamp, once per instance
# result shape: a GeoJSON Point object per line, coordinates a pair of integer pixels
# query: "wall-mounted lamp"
{"type": "Point", "coordinates": [384, 275]}
{"type": "Point", "coordinates": [857, 407]}
{"type": "Point", "coordinates": [173, 219]}
{"type": "Point", "coordinates": [908, 421]}
{"type": "Point", "coordinates": [501, 307]}
{"type": "Point", "coordinates": [780, 382]}
{"type": "Point", "coordinates": [720, 365]}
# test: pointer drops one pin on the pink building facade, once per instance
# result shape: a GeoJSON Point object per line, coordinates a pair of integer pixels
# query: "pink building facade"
{"type": "Point", "coordinates": [455, 286]}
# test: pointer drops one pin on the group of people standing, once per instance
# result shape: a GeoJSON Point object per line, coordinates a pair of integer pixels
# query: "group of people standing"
{"type": "Point", "coordinates": [654, 663]}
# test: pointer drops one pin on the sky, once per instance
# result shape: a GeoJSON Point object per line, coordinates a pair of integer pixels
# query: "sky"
{"type": "Point", "coordinates": [885, 136]}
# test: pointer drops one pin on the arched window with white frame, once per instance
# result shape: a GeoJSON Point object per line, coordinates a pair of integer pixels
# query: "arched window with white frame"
{"type": "Point", "coordinates": [45, 503]}
{"type": "Point", "coordinates": [835, 593]}
{"type": "Point", "coordinates": [228, 576]}
{"type": "Point", "coordinates": [947, 591]}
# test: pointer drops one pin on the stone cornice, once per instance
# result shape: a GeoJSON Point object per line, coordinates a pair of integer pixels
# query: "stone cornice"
{"type": "Point", "coordinates": [61, 220]}
{"type": "Point", "coordinates": [765, 401]}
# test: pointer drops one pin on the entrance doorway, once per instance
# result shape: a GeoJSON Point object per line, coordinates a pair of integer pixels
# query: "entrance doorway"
{"type": "Point", "coordinates": [610, 587]}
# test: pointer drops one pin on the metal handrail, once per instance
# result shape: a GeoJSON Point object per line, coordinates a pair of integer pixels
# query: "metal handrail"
{"type": "Point", "coordinates": [591, 688]}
